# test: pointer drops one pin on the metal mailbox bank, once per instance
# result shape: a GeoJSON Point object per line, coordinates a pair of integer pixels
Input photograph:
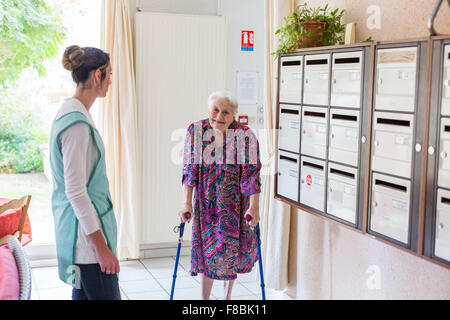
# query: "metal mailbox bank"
{"type": "Point", "coordinates": [291, 79]}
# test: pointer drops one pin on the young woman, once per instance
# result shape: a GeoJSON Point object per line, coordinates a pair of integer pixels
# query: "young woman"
{"type": "Point", "coordinates": [85, 226]}
{"type": "Point", "coordinates": [221, 161]}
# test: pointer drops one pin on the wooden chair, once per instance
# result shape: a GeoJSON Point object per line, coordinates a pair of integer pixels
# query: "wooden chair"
{"type": "Point", "coordinates": [23, 203]}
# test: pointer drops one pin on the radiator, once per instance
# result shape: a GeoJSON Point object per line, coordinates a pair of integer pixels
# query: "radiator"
{"type": "Point", "coordinates": [180, 60]}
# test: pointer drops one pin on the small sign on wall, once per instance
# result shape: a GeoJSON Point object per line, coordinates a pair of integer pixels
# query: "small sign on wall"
{"type": "Point", "coordinates": [247, 40]}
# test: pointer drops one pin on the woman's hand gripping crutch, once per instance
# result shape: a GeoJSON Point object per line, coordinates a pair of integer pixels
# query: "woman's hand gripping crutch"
{"type": "Point", "coordinates": [249, 218]}
{"type": "Point", "coordinates": [186, 216]}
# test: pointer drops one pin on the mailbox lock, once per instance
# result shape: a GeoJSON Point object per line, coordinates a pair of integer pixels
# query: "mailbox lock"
{"type": "Point", "coordinates": [281, 127]}
{"type": "Point", "coordinates": [380, 81]}
{"type": "Point", "coordinates": [418, 147]}
{"type": "Point", "coordinates": [306, 80]}
{"type": "Point", "coordinates": [331, 190]}
{"type": "Point", "coordinates": [279, 174]}
{"type": "Point", "coordinates": [377, 143]}
{"type": "Point", "coordinates": [447, 82]}
{"type": "Point", "coordinates": [443, 154]}
{"type": "Point", "coordinates": [363, 139]}
{"type": "Point", "coordinates": [441, 225]}
{"type": "Point", "coordinates": [332, 136]}
{"type": "Point", "coordinates": [430, 150]}
{"type": "Point", "coordinates": [375, 204]}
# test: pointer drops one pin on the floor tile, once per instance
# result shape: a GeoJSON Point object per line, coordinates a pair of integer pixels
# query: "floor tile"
{"type": "Point", "coordinates": [47, 278]}
{"type": "Point", "coordinates": [34, 294]}
{"type": "Point", "coordinates": [187, 294]}
{"type": "Point", "coordinates": [62, 293]}
{"type": "Point", "coordinates": [133, 270]}
{"type": "Point", "coordinates": [163, 268]}
{"type": "Point", "coordinates": [180, 283]}
{"type": "Point", "coordinates": [149, 295]}
{"type": "Point", "coordinates": [133, 286]}
{"type": "Point", "coordinates": [151, 279]}
{"type": "Point", "coordinates": [254, 287]}
{"type": "Point", "coordinates": [238, 290]}
{"type": "Point", "coordinates": [248, 277]}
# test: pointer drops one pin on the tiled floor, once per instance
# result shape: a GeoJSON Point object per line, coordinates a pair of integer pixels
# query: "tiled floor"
{"type": "Point", "coordinates": [151, 279]}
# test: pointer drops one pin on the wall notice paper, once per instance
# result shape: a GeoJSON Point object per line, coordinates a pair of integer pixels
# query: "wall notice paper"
{"type": "Point", "coordinates": [247, 87]}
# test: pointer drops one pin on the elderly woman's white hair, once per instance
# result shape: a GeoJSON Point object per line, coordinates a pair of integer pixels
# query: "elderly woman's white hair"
{"type": "Point", "coordinates": [223, 95]}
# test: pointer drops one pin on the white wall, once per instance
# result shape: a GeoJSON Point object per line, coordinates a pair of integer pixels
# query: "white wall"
{"type": "Point", "coordinates": [245, 15]}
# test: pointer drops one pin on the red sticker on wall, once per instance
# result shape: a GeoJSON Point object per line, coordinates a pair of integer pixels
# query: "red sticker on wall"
{"type": "Point", "coordinates": [308, 180]}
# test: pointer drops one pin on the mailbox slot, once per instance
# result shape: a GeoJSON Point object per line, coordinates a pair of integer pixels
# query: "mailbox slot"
{"type": "Point", "coordinates": [344, 136]}
{"type": "Point", "coordinates": [291, 79]}
{"type": "Point", "coordinates": [444, 154]}
{"type": "Point", "coordinates": [316, 79]}
{"type": "Point", "coordinates": [346, 79]}
{"type": "Point", "coordinates": [287, 183]}
{"type": "Point", "coordinates": [312, 183]}
{"type": "Point", "coordinates": [445, 109]}
{"type": "Point", "coordinates": [342, 191]}
{"type": "Point", "coordinates": [390, 207]}
{"type": "Point", "coordinates": [289, 128]}
{"type": "Point", "coordinates": [392, 143]}
{"type": "Point", "coordinates": [442, 234]}
{"type": "Point", "coordinates": [395, 80]}
{"type": "Point", "coordinates": [314, 131]}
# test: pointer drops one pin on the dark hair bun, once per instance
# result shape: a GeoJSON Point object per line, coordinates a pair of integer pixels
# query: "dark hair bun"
{"type": "Point", "coordinates": [73, 57]}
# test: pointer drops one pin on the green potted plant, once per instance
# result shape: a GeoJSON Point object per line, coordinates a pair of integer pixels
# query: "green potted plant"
{"type": "Point", "coordinates": [310, 27]}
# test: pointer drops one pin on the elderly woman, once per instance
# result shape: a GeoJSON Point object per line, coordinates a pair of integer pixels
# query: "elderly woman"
{"type": "Point", "coordinates": [221, 161]}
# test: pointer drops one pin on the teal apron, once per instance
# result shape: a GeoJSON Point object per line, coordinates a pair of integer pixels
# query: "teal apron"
{"type": "Point", "coordinates": [66, 223]}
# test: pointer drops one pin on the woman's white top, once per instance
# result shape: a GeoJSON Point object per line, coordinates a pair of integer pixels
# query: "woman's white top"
{"type": "Point", "coordinates": [80, 156]}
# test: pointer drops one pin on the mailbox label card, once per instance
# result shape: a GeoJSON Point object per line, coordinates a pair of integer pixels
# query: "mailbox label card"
{"type": "Point", "coordinates": [402, 140]}
{"type": "Point", "coordinates": [321, 129]}
{"type": "Point", "coordinates": [295, 125]}
{"type": "Point", "coordinates": [401, 205]}
{"type": "Point", "coordinates": [293, 173]}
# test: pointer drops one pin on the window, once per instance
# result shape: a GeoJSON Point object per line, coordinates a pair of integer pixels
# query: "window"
{"type": "Point", "coordinates": [42, 97]}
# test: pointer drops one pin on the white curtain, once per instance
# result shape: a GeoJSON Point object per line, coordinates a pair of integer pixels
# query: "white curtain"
{"type": "Point", "coordinates": [118, 126]}
{"type": "Point", "coordinates": [275, 215]}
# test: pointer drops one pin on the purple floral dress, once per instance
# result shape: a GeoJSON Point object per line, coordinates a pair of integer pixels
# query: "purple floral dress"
{"type": "Point", "coordinates": [224, 177]}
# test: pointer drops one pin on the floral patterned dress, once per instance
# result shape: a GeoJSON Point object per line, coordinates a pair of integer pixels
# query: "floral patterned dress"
{"type": "Point", "coordinates": [224, 177]}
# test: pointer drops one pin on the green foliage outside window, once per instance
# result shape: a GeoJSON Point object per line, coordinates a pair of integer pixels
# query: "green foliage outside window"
{"type": "Point", "coordinates": [30, 33]}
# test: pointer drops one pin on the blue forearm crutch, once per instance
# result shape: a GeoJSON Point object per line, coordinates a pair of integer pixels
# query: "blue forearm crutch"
{"type": "Point", "coordinates": [258, 247]}
{"type": "Point", "coordinates": [187, 215]}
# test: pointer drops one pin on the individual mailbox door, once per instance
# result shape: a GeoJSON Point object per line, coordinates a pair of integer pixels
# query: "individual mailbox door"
{"type": "Point", "coordinates": [344, 136]}
{"type": "Point", "coordinates": [316, 79]}
{"type": "Point", "coordinates": [314, 131]}
{"type": "Point", "coordinates": [312, 183]}
{"type": "Point", "coordinates": [445, 109]}
{"type": "Point", "coordinates": [390, 207]}
{"type": "Point", "coordinates": [442, 234]}
{"type": "Point", "coordinates": [289, 128]}
{"type": "Point", "coordinates": [287, 182]}
{"type": "Point", "coordinates": [444, 149]}
{"type": "Point", "coordinates": [291, 79]}
{"type": "Point", "coordinates": [342, 192]}
{"type": "Point", "coordinates": [392, 143]}
{"type": "Point", "coordinates": [346, 79]}
{"type": "Point", "coordinates": [396, 79]}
